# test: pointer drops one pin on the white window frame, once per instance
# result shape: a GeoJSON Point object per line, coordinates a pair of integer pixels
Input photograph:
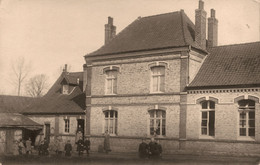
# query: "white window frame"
{"type": "Point", "coordinates": [207, 110]}
{"type": "Point", "coordinates": [67, 125]}
{"type": "Point", "coordinates": [155, 118]}
{"type": "Point", "coordinates": [113, 81]}
{"type": "Point", "coordinates": [246, 109]}
{"type": "Point", "coordinates": [108, 126]}
{"type": "Point", "coordinates": [159, 78]}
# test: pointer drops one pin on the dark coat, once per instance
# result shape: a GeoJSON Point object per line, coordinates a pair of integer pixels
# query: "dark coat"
{"type": "Point", "coordinates": [80, 145]}
{"type": "Point", "coordinates": [143, 150]}
{"type": "Point", "coordinates": [68, 149]}
{"type": "Point", "coordinates": [87, 144]}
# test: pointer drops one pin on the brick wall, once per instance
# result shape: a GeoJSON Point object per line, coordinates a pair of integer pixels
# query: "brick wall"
{"type": "Point", "coordinates": [226, 115]}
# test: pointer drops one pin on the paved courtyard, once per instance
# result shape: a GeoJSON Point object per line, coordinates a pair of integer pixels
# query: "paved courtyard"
{"type": "Point", "coordinates": [117, 158]}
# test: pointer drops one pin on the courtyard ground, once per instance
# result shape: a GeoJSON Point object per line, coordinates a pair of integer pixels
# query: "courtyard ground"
{"type": "Point", "coordinates": [126, 158]}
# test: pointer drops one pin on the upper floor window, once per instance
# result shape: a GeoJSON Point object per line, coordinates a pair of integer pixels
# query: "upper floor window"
{"type": "Point", "coordinates": [157, 122]}
{"type": "Point", "coordinates": [208, 118]}
{"type": "Point", "coordinates": [110, 121]}
{"type": "Point", "coordinates": [111, 81]}
{"type": "Point", "coordinates": [158, 79]}
{"type": "Point", "coordinates": [67, 125]}
{"type": "Point", "coordinates": [246, 118]}
{"type": "Point", "coordinates": [65, 89]}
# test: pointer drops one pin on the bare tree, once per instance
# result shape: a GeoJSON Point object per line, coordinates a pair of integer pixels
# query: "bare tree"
{"type": "Point", "coordinates": [21, 70]}
{"type": "Point", "coordinates": [37, 85]}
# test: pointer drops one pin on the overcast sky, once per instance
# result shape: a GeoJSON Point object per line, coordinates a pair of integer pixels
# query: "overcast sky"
{"type": "Point", "coordinates": [51, 33]}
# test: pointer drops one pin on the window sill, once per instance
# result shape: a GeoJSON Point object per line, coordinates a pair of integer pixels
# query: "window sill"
{"type": "Point", "coordinates": [159, 92]}
{"type": "Point", "coordinates": [246, 138]}
{"type": "Point", "coordinates": [206, 137]}
{"type": "Point", "coordinates": [112, 94]}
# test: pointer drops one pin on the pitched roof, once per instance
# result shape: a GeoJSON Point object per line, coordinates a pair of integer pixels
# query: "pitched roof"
{"type": "Point", "coordinates": [54, 102]}
{"type": "Point", "coordinates": [153, 32]}
{"type": "Point", "coordinates": [230, 65]}
{"type": "Point", "coordinates": [14, 103]}
{"type": "Point", "coordinates": [16, 120]}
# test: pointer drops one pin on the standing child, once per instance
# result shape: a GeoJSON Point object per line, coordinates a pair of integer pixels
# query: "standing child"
{"type": "Point", "coordinates": [28, 144]}
{"type": "Point", "coordinates": [68, 149]}
{"type": "Point", "coordinates": [87, 145]}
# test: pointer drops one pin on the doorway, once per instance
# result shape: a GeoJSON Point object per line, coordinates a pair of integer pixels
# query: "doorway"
{"type": "Point", "coordinates": [81, 126]}
{"type": "Point", "coordinates": [9, 141]}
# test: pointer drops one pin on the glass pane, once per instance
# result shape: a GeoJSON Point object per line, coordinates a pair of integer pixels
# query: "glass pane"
{"type": "Point", "coordinates": [204, 115]}
{"type": "Point", "coordinates": [158, 113]}
{"type": "Point", "coordinates": [211, 123]}
{"type": "Point", "coordinates": [242, 131]}
{"type": "Point", "coordinates": [204, 131]}
{"type": "Point", "coordinates": [106, 114]}
{"type": "Point", "coordinates": [242, 123]}
{"type": "Point", "coordinates": [163, 123]}
{"type": "Point", "coordinates": [106, 124]}
{"type": "Point", "coordinates": [251, 131]}
{"type": "Point", "coordinates": [116, 114]}
{"type": "Point", "coordinates": [251, 115]}
{"type": "Point", "coordinates": [151, 131]}
{"type": "Point", "coordinates": [151, 114]}
{"type": "Point", "coordinates": [109, 86]}
{"type": "Point", "coordinates": [163, 114]}
{"type": "Point", "coordinates": [116, 126]}
{"type": "Point", "coordinates": [212, 105]}
{"type": "Point", "coordinates": [151, 123]}
{"type": "Point", "coordinates": [155, 84]}
{"type": "Point", "coordinates": [162, 82]}
{"type": "Point", "coordinates": [112, 114]}
{"type": "Point", "coordinates": [158, 123]}
{"type": "Point", "coordinates": [204, 105]}
{"type": "Point", "coordinates": [114, 86]}
{"type": "Point", "coordinates": [204, 123]}
{"type": "Point", "coordinates": [242, 115]}
{"type": "Point", "coordinates": [251, 123]}
{"type": "Point", "coordinates": [161, 70]}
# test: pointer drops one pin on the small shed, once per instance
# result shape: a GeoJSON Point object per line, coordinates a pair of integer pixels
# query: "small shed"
{"type": "Point", "coordinates": [12, 126]}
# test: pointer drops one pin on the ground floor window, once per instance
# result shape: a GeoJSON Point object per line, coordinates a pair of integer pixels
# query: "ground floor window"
{"type": "Point", "coordinates": [247, 118]}
{"type": "Point", "coordinates": [208, 118]}
{"type": "Point", "coordinates": [110, 121]}
{"type": "Point", "coordinates": [157, 122]}
{"type": "Point", "coordinates": [67, 125]}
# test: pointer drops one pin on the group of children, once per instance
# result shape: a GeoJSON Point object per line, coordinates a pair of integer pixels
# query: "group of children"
{"type": "Point", "coordinates": [153, 150]}
{"type": "Point", "coordinates": [22, 147]}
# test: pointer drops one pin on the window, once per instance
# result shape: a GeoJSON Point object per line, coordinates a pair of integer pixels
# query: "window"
{"type": "Point", "coordinates": [208, 118]}
{"type": "Point", "coordinates": [246, 118]}
{"type": "Point", "coordinates": [157, 122]}
{"type": "Point", "coordinates": [111, 121]}
{"type": "Point", "coordinates": [67, 125]}
{"type": "Point", "coordinates": [111, 82]}
{"type": "Point", "coordinates": [65, 89]}
{"type": "Point", "coordinates": [158, 80]}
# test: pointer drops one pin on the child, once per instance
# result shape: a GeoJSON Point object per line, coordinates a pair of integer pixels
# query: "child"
{"type": "Point", "coordinates": [68, 149]}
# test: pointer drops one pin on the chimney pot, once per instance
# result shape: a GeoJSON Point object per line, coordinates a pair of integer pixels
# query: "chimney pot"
{"type": "Point", "coordinates": [110, 20]}
{"type": "Point", "coordinates": [212, 13]}
{"type": "Point", "coordinates": [201, 4]}
{"type": "Point", "coordinates": [65, 68]}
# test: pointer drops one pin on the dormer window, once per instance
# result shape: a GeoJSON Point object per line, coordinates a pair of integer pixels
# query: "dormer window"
{"type": "Point", "coordinates": [65, 89]}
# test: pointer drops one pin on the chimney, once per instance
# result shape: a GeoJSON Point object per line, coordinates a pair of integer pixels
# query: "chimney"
{"type": "Point", "coordinates": [212, 29]}
{"type": "Point", "coordinates": [110, 30]}
{"type": "Point", "coordinates": [200, 25]}
{"type": "Point", "coordinates": [65, 68]}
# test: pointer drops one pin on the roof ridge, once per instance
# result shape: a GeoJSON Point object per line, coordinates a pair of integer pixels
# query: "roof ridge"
{"type": "Point", "coordinates": [246, 43]}
{"type": "Point", "coordinates": [160, 14]}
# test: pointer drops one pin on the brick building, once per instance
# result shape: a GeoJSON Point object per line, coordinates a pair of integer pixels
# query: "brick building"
{"type": "Point", "coordinates": [161, 76]}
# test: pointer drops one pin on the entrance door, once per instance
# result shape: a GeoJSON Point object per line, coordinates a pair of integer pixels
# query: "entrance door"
{"type": "Point", "coordinates": [9, 138]}
{"type": "Point", "coordinates": [81, 125]}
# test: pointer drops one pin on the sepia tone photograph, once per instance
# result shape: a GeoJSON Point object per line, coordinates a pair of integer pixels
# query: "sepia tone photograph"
{"type": "Point", "coordinates": [155, 82]}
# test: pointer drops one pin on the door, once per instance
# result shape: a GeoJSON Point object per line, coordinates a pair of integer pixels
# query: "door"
{"type": "Point", "coordinates": [81, 125]}
{"type": "Point", "coordinates": [9, 138]}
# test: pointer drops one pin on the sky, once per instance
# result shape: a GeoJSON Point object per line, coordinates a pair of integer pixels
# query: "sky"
{"type": "Point", "coordinates": [51, 33]}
